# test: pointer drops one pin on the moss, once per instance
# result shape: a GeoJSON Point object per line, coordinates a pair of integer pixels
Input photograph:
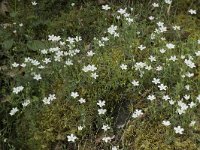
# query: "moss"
{"type": "Point", "coordinates": [50, 125]}
{"type": "Point", "coordinates": [148, 136]}
{"type": "Point", "coordinates": [88, 22]}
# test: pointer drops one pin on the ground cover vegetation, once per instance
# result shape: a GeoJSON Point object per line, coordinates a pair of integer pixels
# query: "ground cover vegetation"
{"type": "Point", "coordinates": [112, 75]}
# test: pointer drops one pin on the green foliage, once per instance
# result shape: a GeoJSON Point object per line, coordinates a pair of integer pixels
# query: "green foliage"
{"type": "Point", "coordinates": [88, 22]}
{"type": "Point", "coordinates": [46, 126]}
{"type": "Point", "coordinates": [149, 135]}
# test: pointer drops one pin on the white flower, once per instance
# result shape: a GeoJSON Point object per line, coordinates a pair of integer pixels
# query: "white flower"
{"type": "Point", "coordinates": [187, 97]}
{"type": "Point", "coordinates": [182, 56]}
{"type": "Point", "coordinates": [105, 7]}
{"type": "Point", "coordinates": [15, 64]}
{"type": "Point", "coordinates": [189, 75]}
{"type": "Point", "coordinates": [101, 43]}
{"type": "Point", "coordinates": [92, 68]}
{"type": "Point", "coordinates": [160, 24]}
{"type": "Point", "coordinates": [162, 51]}
{"type": "Point", "coordinates": [123, 66]}
{"type": "Point", "coordinates": [105, 39]}
{"type": "Point", "coordinates": [72, 4]}
{"type": "Point", "coordinates": [89, 68]}
{"type": "Point", "coordinates": [140, 65]}
{"type": "Point", "coordinates": [82, 100]}
{"type": "Point", "coordinates": [171, 102]}
{"type": "Point", "coordinates": [162, 87]}
{"type": "Point", "coordinates": [47, 60]}
{"type": "Point", "coordinates": [90, 53]}
{"type": "Point", "coordinates": [168, 1]}
{"type": "Point", "coordinates": [13, 111]}
{"type": "Point", "coordinates": [153, 36]}
{"type": "Point", "coordinates": [112, 29]}
{"type": "Point", "coordinates": [148, 67]}
{"type": "Point", "coordinates": [70, 40]}
{"type": "Point", "coordinates": [197, 53]}
{"type": "Point", "coordinates": [21, 24]}
{"type": "Point", "coordinates": [156, 81]}
{"type": "Point", "coordinates": [68, 62]}
{"type": "Point", "coordinates": [26, 103]}
{"type": "Point", "coordinates": [37, 77]}
{"type": "Point", "coordinates": [122, 11]}
{"type": "Point", "coordinates": [35, 62]}
{"type": "Point", "coordinates": [34, 3]}
{"type": "Point", "coordinates": [189, 63]}
{"type": "Point", "coordinates": [126, 15]}
{"type": "Point", "coordinates": [166, 123]}
{"type": "Point", "coordinates": [159, 68]}
{"type": "Point", "coordinates": [114, 148]}
{"type": "Point", "coordinates": [166, 97]}
{"type": "Point", "coordinates": [78, 38]}
{"type": "Point", "coordinates": [44, 51]}
{"type": "Point", "coordinates": [152, 58]}
{"type": "Point", "coordinates": [178, 130]}
{"type": "Point", "coordinates": [155, 5]}
{"type": "Point", "coordinates": [116, 34]}
{"type": "Point", "coordinates": [85, 69]}
{"type": "Point", "coordinates": [52, 97]}
{"type": "Point", "coordinates": [162, 29]}
{"type": "Point", "coordinates": [192, 104]}
{"type": "Point", "coordinates": [80, 128]}
{"type": "Point", "coordinates": [173, 58]}
{"type": "Point", "coordinates": [192, 12]}
{"type": "Point", "coordinates": [18, 89]}
{"type": "Point", "coordinates": [130, 20]}
{"type": "Point", "coordinates": [46, 101]}
{"type": "Point", "coordinates": [94, 75]}
{"type": "Point", "coordinates": [71, 138]}
{"type": "Point", "coordinates": [198, 98]}
{"type": "Point", "coordinates": [192, 123]}
{"type": "Point", "coordinates": [176, 27]}
{"type": "Point", "coordinates": [54, 38]}
{"type": "Point", "coordinates": [141, 47]}
{"type": "Point", "coordinates": [101, 103]}
{"type": "Point", "coordinates": [137, 113]}
{"type": "Point", "coordinates": [62, 43]}
{"type": "Point", "coordinates": [170, 46]}
{"type": "Point", "coordinates": [74, 94]}
{"type": "Point", "coordinates": [118, 17]}
{"type": "Point", "coordinates": [101, 111]}
{"type": "Point", "coordinates": [187, 87]}
{"type": "Point", "coordinates": [135, 83]}
{"type": "Point", "coordinates": [23, 65]}
{"type": "Point", "coordinates": [183, 107]}
{"type": "Point", "coordinates": [41, 67]}
{"type": "Point", "coordinates": [138, 32]}
{"type": "Point", "coordinates": [151, 18]}
{"type": "Point", "coordinates": [151, 97]}
{"type": "Point", "coordinates": [105, 127]}
{"type": "Point", "coordinates": [106, 139]}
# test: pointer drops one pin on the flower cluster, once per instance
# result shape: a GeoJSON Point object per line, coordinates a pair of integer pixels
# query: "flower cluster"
{"type": "Point", "coordinates": [48, 100]}
{"type": "Point", "coordinates": [18, 89]}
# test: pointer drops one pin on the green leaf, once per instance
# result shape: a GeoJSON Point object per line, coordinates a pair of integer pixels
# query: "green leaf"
{"type": "Point", "coordinates": [13, 14]}
{"type": "Point", "coordinates": [8, 44]}
{"type": "Point", "coordinates": [36, 45]}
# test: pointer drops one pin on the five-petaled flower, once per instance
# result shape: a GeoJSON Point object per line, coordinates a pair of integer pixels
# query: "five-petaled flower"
{"type": "Point", "coordinates": [178, 130]}
{"type": "Point", "coordinates": [71, 138]}
{"type": "Point", "coordinates": [13, 111]}
{"type": "Point", "coordinates": [74, 94]}
{"type": "Point", "coordinates": [166, 123]}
